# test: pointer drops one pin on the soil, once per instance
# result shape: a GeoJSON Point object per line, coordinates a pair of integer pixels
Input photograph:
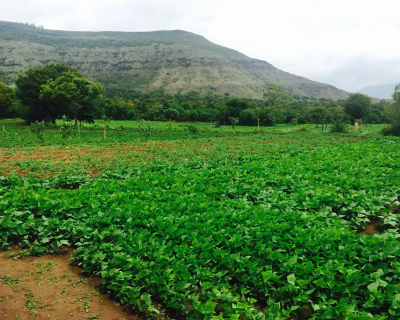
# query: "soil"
{"type": "Point", "coordinates": [58, 156]}
{"type": "Point", "coordinates": [48, 287]}
{"type": "Point", "coordinates": [372, 228]}
{"type": "Point", "coordinates": [33, 162]}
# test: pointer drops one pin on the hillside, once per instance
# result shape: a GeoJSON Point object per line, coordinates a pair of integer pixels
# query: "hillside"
{"type": "Point", "coordinates": [383, 91]}
{"type": "Point", "coordinates": [145, 61]}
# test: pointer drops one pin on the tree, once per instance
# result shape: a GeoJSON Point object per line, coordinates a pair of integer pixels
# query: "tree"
{"type": "Point", "coordinates": [392, 113]}
{"type": "Point", "coordinates": [318, 114]}
{"type": "Point", "coordinates": [28, 90]}
{"type": "Point", "coordinates": [171, 114]}
{"type": "Point", "coordinates": [396, 94]}
{"type": "Point", "coordinates": [275, 95]}
{"type": "Point", "coordinates": [276, 99]}
{"type": "Point", "coordinates": [54, 90]}
{"type": "Point", "coordinates": [71, 93]}
{"type": "Point", "coordinates": [358, 106]}
{"type": "Point", "coordinates": [6, 99]}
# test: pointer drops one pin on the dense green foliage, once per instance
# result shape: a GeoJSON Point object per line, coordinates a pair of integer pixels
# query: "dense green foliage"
{"type": "Point", "coordinates": [49, 92]}
{"type": "Point", "coordinates": [358, 106]}
{"type": "Point", "coordinates": [56, 90]}
{"type": "Point", "coordinates": [393, 114]}
{"type": "Point", "coordinates": [194, 106]}
{"type": "Point", "coordinates": [396, 94]}
{"type": "Point", "coordinates": [267, 232]}
{"type": "Point", "coordinates": [73, 94]}
{"type": "Point", "coordinates": [6, 99]}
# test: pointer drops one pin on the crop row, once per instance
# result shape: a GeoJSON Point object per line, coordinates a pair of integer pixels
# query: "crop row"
{"type": "Point", "coordinates": [266, 236]}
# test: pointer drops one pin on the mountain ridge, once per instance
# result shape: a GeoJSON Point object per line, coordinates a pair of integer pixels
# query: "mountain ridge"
{"type": "Point", "coordinates": [175, 61]}
{"type": "Point", "coordinates": [381, 91]}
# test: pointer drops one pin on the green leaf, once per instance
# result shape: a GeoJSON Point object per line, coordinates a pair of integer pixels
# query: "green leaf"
{"type": "Point", "coordinates": [208, 307]}
{"type": "Point", "coordinates": [291, 279]}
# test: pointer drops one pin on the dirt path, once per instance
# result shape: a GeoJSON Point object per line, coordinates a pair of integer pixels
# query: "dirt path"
{"type": "Point", "coordinates": [48, 287]}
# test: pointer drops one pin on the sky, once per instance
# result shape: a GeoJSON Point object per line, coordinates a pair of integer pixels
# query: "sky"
{"type": "Point", "coordinates": [346, 43]}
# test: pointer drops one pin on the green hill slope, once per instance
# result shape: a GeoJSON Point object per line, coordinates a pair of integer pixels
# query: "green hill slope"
{"type": "Point", "coordinates": [126, 61]}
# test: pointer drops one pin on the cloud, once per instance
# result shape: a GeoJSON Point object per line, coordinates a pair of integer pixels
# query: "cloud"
{"type": "Point", "coordinates": [349, 44]}
{"type": "Point", "coordinates": [350, 74]}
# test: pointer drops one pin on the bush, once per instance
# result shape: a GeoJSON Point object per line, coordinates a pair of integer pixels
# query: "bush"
{"type": "Point", "coordinates": [192, 128]}
{"type": "Point", "coordinates": [373, 118]}
{"type": "Point", "coordinates": [393, 115]}
{"type": "Point", "coordinates": [171, 114]}
{"type": "Point", "coordinates": [193, 115]}
{"type": "Point", "coordinates": [38, 128]}
{"type": "Point", "coordinates": [394, 129]}
{"type": "Point", "coordinates": [338, 125]}
{"type": "Point", "coordinates": [302, 129]}
{"type": "Point", "coordinates": [301, 120]}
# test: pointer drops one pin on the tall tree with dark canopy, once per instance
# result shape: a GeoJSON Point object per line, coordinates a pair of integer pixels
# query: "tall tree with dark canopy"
{"type": "Point", "coordinates": [29, 87]}
{"type": "Point", "coordinates": [358, 106]}
{"type": "Point", "coordinates": [276, 99]}
{"type": "Point", "coordinates": [6, 99]}
{"type": "Point", "coordinates": [393, 114]}
{"type": "Point", "coordinates": [71, 93]}
{"type": "Point", "coordinates": [318, 114]}
{"type": "Point", "coordinates": [54, 90]}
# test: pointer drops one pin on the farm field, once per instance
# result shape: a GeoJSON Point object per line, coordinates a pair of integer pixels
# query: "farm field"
{"type": "Point", "coordinates": [291, 223]}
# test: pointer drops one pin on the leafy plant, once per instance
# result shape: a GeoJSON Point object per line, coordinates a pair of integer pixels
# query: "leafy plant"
{"type": "Point", "coordinates": [339, 124]}
{"type": "Point", "coordinates": [10, 281]}
{"type": "Point", "coordinates": [38, 129]}
{"type": "Point", "coordinates": [106, 121]}
{"type": "Point", "coordinates": [192, 129]}
{"type": "Point", "coordinates": [223, 228]}
{"type": "Point", "coordinates": [234, 122]}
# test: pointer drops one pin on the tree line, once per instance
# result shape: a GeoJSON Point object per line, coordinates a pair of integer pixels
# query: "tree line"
{"type": "Point", "coordinates": [57, 90]}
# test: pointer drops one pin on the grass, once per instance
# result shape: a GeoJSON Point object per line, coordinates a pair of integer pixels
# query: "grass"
{"type": "Point", "coordinates": [90, 155]}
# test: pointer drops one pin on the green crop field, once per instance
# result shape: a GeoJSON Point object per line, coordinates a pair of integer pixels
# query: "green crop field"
{"type": "Point", "coordinates": [291, 223]}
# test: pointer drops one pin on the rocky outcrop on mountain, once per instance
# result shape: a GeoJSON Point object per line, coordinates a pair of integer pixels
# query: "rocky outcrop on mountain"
{"type": "Point", "coordinates": [127, 61]}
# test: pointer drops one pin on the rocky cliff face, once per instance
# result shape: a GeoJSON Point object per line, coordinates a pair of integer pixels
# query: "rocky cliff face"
{"type": "Point", "coordinates": [126, 61]}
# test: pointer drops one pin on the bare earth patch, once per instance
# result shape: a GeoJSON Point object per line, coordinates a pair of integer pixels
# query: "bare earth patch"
{"type": "Point", "coordinates": [35, 162]}
{"type": "Point", "coordinates": [48, 287]}
{"type": "Point", "coordinates": [371, 228]}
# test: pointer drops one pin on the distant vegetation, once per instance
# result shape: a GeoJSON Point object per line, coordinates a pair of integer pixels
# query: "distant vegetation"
{"type": "Point", "coordinates": [39, 97]}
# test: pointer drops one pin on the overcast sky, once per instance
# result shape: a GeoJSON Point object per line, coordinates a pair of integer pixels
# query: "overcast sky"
{"type": "Point", "coordinates": [347, 43]}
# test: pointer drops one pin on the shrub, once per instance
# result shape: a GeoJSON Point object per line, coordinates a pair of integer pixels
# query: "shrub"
{"type": "Point", "coordinates": [394, 129]}
{"type": "Point", "coordinates": [192, 128]}
{"type": "Point", "coordinates": [302, 129]}
{"type": "Point", "coordinates": [393, 115]}
{"type": "Point", "coordinates": [37, 128]}
{"type": "Point", "coordinates": [338, 125]}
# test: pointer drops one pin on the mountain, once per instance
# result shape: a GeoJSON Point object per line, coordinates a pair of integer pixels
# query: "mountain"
{"type": "Point", "coordinates": [126, 61]}
{"type": "Point", "coordinates": [382, 91]}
